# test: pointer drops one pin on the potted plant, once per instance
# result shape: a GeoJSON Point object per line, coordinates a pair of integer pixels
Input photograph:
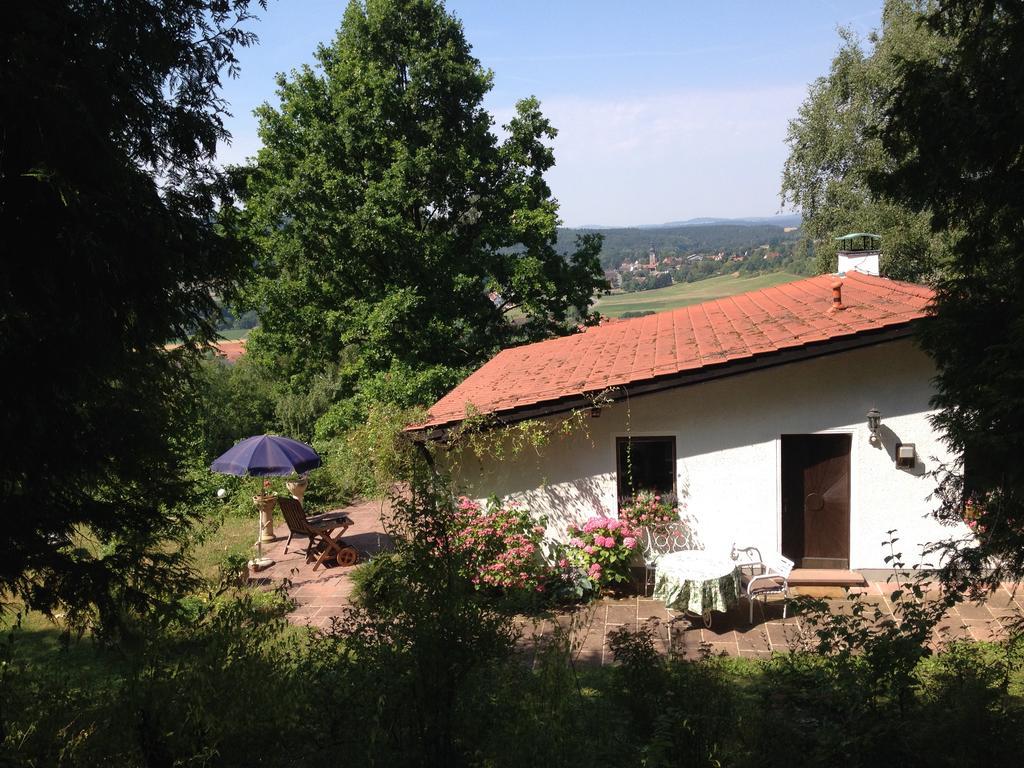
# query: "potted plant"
{"type": "Point", "coordinates": [297, 487]}
{"type": "Point", "coordinates": [649, 509]}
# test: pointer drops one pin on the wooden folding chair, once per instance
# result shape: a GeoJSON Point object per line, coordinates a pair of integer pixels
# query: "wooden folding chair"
{"type": "Point", "coordinates": [324, 544]}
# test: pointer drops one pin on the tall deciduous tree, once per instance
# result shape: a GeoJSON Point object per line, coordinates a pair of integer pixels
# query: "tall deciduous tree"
{"type": "Point", "coordinates": [109, 119]}
{"type": "Point", "coordinates": [957, 124]}
{"type": "Point", "coordinates": [835, 147]}
{"type": "Point", "coordinates": [396, 236]}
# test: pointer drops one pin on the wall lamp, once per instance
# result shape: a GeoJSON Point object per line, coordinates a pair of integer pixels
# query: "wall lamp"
{"type": "Point", "coordinates": [874, 422]}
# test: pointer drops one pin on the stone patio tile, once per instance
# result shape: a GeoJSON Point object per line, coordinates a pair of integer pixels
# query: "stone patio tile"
{"type": "Point", "coordinates": [718, 635]}
{"type": "Point", "coordinates": [989, 631]}
{"type": "Point", "coordinates": [1004, 600]}
{"type": "Point", "coordinates": [873, 588]}
{"type": "Point", "coordinates": [729, 649]}
{"type": "Point", "coordinates": [1014, 589]}
{"type": "Point", "coordinates": [331, 602]}
{"type": "Point", "coordinates": [687, 644]}
{"type": "Point", "coordinates": [755, 640]}
{"type": "Point", "coordinates": [621, 612]}
{"type": "Point", "coordinates": [591, 650]}
{"type": "Point", "coordinates": [974, 611]}
{"type": "Point", "coordinates": [651, 608]}
{"type": "Point", "coordinates": [781, 635]}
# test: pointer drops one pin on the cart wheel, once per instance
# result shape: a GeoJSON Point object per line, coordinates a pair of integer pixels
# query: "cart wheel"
{"type": "Point", "coordinates": [348, 556]}
{"type": "Point", "coordinates": [707, 618]}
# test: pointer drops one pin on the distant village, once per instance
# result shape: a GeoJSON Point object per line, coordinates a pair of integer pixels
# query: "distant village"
{"type": "Point", "coordinates": [661, 271]}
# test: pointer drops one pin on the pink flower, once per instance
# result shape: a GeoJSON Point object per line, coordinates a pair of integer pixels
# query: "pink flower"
{"type": "Point", "coordinates": [614, 524]}
{"type": "Point", "coordinates": [594, 571]}
{"type": "Point", "coordinates": [629, 542]}
{"type": "Point", "coordinates": [589, 549]}
{"type": "Point", "coordinates": [576, 542]}
{"type": "Point", "coordinates": [609, 542]}
{"type": "Point", "coordinates": [563, 563]}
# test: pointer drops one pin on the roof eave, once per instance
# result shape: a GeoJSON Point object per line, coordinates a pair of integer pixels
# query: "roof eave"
{"type": "Point", "coordinates": [664, 382]}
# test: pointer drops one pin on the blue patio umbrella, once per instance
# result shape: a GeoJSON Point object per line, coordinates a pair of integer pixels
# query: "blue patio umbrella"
{"type": "Point", "coordinates": [264, 455]}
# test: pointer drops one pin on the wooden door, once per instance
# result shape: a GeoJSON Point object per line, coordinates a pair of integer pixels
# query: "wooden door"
{"type": "Point", "coordinates": [816, 500]}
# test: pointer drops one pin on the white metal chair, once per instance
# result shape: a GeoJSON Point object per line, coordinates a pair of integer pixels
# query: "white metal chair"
{"type": "Point", "coordinates": [660, 541]}
{"type": "Point", "coordinates": [762, 576]}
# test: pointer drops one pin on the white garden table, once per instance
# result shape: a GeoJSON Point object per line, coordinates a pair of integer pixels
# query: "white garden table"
{"type": "Point", "coordinates": [697, 582]}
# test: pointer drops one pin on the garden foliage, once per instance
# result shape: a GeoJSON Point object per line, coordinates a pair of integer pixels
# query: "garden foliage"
{"type": "Point", "coordinates": [967, 169]}
{"type": "Point", "coordinates": [110, 115]}
{"type": "Point", "coordinates": [398, 242]}
{"type": "Point", "coordinates": [604, 548]}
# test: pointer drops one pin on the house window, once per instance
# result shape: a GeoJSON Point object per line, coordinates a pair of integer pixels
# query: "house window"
{"type": "Point", "coordinates": [645, 464]}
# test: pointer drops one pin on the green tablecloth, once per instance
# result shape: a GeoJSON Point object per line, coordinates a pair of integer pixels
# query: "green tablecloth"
{"type": "Point", "coordinates": [697, 581]}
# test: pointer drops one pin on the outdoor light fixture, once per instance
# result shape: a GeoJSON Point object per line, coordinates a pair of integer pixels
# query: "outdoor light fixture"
{"type": "Point", "coordinates": [874, 422]}
{"type": "Point", "coordinates": [906, 455]}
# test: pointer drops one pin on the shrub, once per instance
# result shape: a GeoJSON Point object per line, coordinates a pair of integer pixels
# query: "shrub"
{"type": "Point", "coordinates": [603, 547]}
{"type": "Point", "coordinates": [568, 583]}
{"type": "Point", "coordinates": [499, 544]}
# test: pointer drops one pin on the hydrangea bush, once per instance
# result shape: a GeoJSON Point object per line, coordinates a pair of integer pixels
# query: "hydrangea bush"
{"type": "Point", "coordinates": [500, 545]}
{"type": "Point", "coordinates": [649, 510]}
{"type": "Point", "coordinates": [602, 547]}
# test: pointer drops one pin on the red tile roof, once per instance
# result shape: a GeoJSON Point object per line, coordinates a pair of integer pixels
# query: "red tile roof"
{"type": "Point", "coordinates": [232, 350]}
{"type": "Point", "coordinates": [740, 327]}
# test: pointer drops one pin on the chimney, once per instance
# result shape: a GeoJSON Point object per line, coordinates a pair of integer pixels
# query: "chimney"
{"type": "Point", "coordinates": [837, 296]}
{"type": "Point", "coordinates": [860, 252]}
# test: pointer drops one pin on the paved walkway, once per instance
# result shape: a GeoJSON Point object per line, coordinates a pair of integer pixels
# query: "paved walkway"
{"type": "Point", "coordinates": [323, 594]}
{"type": "Point", "coordinates": [732, 634]}
{"type": "Point", "coordinates": [319, 595]}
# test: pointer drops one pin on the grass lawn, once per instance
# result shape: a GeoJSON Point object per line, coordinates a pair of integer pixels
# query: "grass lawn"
{"type": "Point", "coordinates": [235, 334]}
{"type": "Point", "coordinates": [683, 294]}
{"type": "Point", "coordinates": [41, 642]}
{"type": "Point", "coordinates": [235, 536]}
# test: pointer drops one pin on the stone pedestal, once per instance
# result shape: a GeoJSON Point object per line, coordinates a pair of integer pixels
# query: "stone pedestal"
{"type": "Point", "coordinates": [266, 504]}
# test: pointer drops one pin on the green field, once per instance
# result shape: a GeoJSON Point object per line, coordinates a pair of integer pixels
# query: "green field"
{"type": "Point", "coordinates": [234, 335]}
{"type": "Point", "coordinates": [687, 293]}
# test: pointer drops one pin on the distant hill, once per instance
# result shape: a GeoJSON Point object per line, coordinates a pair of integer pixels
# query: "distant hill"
{"type": "Point", "coordinates": [782, 220]}
{"type": "Point", "coordinates": [787, 220]}
{"type": "Point", "coordinates": [622, 243]}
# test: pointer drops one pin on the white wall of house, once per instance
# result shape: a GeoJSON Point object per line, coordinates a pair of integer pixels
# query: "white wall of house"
{"type": "Point", "coordinates": [728, 452]}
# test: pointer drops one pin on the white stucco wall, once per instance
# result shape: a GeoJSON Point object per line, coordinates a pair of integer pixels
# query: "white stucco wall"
{"type": "Point", "coordinates": [728, 468]}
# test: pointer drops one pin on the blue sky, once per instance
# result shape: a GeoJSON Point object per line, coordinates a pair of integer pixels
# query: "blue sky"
{"type": "Point", "coordinates": [665, 110]}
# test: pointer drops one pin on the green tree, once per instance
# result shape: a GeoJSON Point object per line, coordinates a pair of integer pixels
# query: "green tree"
{"type": "Point", "coordinates": [957, 123]}
{"type": "Point", "coordinates": [394, 234]}
{"type": "Point", "coordinates": [835, 147]}
{"type": "Point", "coordinates": [109, 118]}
